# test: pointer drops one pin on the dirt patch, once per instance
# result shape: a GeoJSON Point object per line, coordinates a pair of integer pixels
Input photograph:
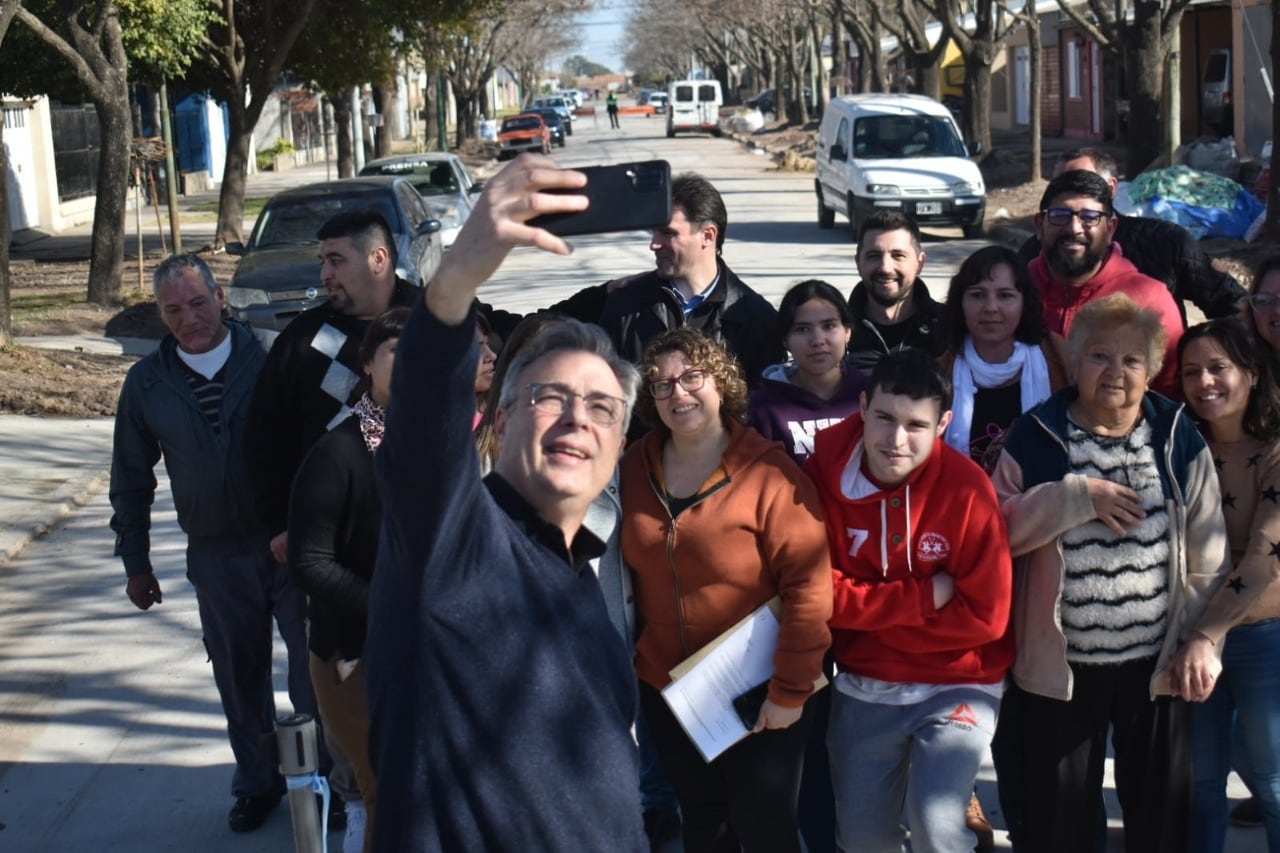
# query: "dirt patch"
{"type": "Point", "coordinates": [48, 299]}
{"type": "Point", "coordinates": [60, 384]}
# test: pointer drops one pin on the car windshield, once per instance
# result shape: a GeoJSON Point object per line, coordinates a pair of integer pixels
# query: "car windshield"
{"type": "Point", "coordinates": [896, 136]}
{"type": "Point", "coordinates": [429, 178]}
{"type": "Point", "coordinates": [295, 221]}
{"type": "Point", "coordinates": [521, 124]}
{"type": "Point", "coordinates": [551, 117]}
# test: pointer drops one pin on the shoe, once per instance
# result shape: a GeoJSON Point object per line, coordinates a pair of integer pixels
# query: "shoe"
{"type": "Point", "coordinates": [337, 812]}
{"type": "Point", "coordinates": [661, 826]}
{"type": "Point", "coordinates": [1247, 813]}
{"type": "Point", "coordinates": [976, 819]}
{"type": "Point", "coordinates": [249, 813]}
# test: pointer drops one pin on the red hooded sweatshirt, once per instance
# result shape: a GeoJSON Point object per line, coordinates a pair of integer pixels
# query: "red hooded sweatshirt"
{"type": "Point", "coordinates": [885, 549]}
{"type": "Point", "coordinates": [1117, 275]}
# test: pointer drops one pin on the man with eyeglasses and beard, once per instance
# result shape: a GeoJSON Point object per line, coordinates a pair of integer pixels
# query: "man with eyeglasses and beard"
{"type": "Point", "coordinates": [891, 306]}
{"type": "Point", "coordinates": [1080, 261]}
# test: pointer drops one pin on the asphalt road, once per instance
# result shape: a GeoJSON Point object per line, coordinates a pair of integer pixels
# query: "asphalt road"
{"type": "Point", "coordinates": [111, 736]}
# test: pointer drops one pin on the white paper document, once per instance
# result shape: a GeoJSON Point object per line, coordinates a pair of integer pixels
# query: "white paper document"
{"type": "Point", "coordinates": [702, 694]}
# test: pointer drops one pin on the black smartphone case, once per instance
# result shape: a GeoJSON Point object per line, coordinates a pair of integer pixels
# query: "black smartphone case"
{"type": "Point", "coordinates": [748, 705]}
{"type": "Point", "coordinates": [624, 197]}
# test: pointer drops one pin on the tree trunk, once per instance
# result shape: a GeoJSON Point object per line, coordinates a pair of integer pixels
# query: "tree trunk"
{"type": "Point", "coordinates": [384, 96]}
{"type": "Point", "coordinates": [928, 78]}
{"type": "Point", "coordinates": [839, 83]}
{"type": "Point", "coordinates": [7, 10]}
{"type": "Point", "coordinates": [977, 101]}
{"type": "Point", "coordinates": [234, 175]}
{"type": "Point", "coordinates": [1146, 82]}
{"type": "Point", "coordinates": [1034, 50]}
{"type": "Point", "coordinates": [466, 115]}
{"type": "Point", "coordinates": [431, 106]}
{"type": "Point", "coordinates": [342, 135]}
{"type": "Point", "coordinates": [106, 263]}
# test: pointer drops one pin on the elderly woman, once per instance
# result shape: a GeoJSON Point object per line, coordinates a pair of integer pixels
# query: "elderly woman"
{"type": "Point", "coordinates": [718, 521]}
{"type": "Point", "coordinates": [1115, 521]}
{"type": "Point", "coordinates": [1230, 391]}
{"type": "Point", "coordinates": [334, 518]}
{"type": "Point", "coordinates": [1001, 358]}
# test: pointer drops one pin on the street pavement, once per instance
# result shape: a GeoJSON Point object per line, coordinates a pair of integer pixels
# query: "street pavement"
{"type": "Point", "coordinates": [111, 735]}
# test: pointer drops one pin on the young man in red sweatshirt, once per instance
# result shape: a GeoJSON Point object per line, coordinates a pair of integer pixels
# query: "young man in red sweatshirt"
{"type": "Point", "coordinates": [920, 627]}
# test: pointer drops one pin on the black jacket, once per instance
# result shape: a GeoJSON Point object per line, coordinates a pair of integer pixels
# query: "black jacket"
{"type": "Point", "coordinates": [924, 329]}
{"type": "Point", "coordinates": [302, 393]}
{"type": "Point", "coordinates": [334, 518]}
{"type": "Point", "coordinates": [732, 314]}
{"type": "Point", "coordinates": [1167, 251]}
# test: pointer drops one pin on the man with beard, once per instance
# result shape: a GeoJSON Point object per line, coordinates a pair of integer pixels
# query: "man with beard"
{"type": "Point", "coordinates": [691, 286]}
{"type": "Point", "coordinates": [891, 307]}
{"type": "Point", "coordinates": [1162, 250]}
{"type": "Point", "coordinates": [1080, 262]}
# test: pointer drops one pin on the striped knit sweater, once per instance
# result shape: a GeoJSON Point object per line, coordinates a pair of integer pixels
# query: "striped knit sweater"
{"type": "Point", "coordinates": [1115, 597]}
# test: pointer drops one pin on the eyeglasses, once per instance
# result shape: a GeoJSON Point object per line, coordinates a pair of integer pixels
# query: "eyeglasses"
{"type": "Point", "coordinates": [691, 380]}
{"type": "Point", "coordinates": [1060, 216]}
{"type": "Point", "coordinates": [1264, 301]}
{"type": "Point", "coordinates": [552, 398]}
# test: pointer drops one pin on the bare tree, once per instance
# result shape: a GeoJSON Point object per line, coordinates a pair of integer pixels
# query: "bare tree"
{"type": "Point", "coordinates": [906, 20]}
{"type": "Point", "coordinates": [1142, 42]}
{"type": "Point", "coordinates": [864, 21]}
{"type": "Point", "coordinates": [8, 8]}
{"type": "Point", "coordinates": [661, 35]}
{"type": "Point", "coordinates": [1030, 18]}
{"type": "Point", "coordinates": [93, 45]}
{"type": "Point", "coordinates": [245, 53]}
{"type": "Point", "coordinates": [979, 45]}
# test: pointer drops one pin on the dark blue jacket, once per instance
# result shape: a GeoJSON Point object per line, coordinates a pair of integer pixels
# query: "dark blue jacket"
{"type": "Point", "coordinates": [208, 472]}
{"type": "Point", "coordinates": [501, 697]}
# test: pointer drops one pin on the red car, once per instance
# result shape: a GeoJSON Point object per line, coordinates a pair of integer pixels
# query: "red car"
{"type": "Point", "coordinates": [524, 132]}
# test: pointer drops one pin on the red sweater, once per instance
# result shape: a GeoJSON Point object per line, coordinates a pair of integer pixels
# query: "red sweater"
{"type": "Point", "coordinates": [885, 549]}
{"type": "Point", "coordinates": [1117, 275]}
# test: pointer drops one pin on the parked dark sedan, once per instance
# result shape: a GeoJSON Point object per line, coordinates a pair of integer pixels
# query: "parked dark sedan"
{"type": "Point", "coordinates": [279, 275]}
{"type": "Point", "coordinates": [553, 122]}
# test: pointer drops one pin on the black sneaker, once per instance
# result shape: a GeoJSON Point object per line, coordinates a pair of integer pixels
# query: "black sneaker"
{"type": "Point", "coordinates": [1247, 813]}
{"type": "Point", "coordinates": [249, 813]}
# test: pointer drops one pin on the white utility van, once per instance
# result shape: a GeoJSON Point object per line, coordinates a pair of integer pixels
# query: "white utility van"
{"type": "Point", "coordinates": [896, 152]}
{"type": "Point", "coordinates": [694, 105]}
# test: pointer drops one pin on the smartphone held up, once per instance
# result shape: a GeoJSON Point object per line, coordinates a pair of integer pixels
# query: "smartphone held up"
{"type": "Point", "coordinates": [623, 197]}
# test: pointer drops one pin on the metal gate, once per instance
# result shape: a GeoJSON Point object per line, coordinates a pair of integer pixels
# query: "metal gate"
{"type": "Point", "coordinates": [75, 150]}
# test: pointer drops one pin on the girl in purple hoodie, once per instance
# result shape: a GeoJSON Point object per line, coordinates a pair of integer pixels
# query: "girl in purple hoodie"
{"type": "Point", "coordinates": [814, 390]}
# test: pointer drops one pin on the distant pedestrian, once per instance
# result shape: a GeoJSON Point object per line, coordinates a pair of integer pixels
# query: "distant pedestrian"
{"type": "Point", "coordinates": [611, 103]}
{"type": "Point", "coordinates": [188, 402]}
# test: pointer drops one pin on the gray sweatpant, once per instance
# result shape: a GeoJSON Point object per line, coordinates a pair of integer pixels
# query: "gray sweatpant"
{"type": "Point", "coordinates": [239, 590]}
{"type": "Point", "coordinates": [925, 755]}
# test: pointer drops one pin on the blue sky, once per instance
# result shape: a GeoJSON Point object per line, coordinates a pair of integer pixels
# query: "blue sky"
{"type": "Point", "coordinates": [601, 31]}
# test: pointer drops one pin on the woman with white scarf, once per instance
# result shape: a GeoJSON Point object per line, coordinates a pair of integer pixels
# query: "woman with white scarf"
{"type": "Point", "coordinates": [1002, 362]}
{"type": "Point", "coordinates": [1001, 359]}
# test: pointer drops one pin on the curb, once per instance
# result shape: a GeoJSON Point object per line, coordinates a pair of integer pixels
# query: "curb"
{"type": "Point", "coordinates": [21, 532]}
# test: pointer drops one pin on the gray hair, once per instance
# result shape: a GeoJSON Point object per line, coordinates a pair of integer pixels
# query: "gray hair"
{"type": "Point", "coordinates": [575, 336]}
{"type": "Point", "coordinates": [172, 268]}
{"type": "Point", "coordinates": [1117, 311]}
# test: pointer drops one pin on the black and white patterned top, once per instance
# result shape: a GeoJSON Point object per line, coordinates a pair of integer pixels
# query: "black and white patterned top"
{"type": "Point", "coordinates": [1115, 597]}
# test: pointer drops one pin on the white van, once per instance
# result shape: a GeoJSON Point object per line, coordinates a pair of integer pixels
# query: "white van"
{"type": "Point", "coordinates": [896, 152]}
{"type": "Point", "coordinates": [694, 105]}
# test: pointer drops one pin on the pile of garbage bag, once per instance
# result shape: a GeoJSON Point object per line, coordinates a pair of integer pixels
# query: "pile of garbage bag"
{"type": "Point", "coordinates": [1206, 204]}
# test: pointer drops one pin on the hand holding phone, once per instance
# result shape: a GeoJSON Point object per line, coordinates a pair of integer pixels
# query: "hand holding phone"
{"type": "Point", "coordinates": [623, 197]}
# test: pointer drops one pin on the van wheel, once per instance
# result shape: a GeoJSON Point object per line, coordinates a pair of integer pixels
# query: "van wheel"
{"type": "Point", "coordinates": [826, 216]}
{"type": "Point", "coordinates": [671, 133]}
{"type": "Point", "coordinates": [853, 218]}
{"type": "Point", "coordinates": [717, 133]}
{"type": "Point", "coordinates": [568, 129]}
{"type": "Point", "coordinates": [973, 232]}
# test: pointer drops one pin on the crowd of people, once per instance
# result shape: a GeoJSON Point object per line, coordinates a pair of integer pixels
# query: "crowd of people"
{"type": "Point", "coordinates": [1031, 518]}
